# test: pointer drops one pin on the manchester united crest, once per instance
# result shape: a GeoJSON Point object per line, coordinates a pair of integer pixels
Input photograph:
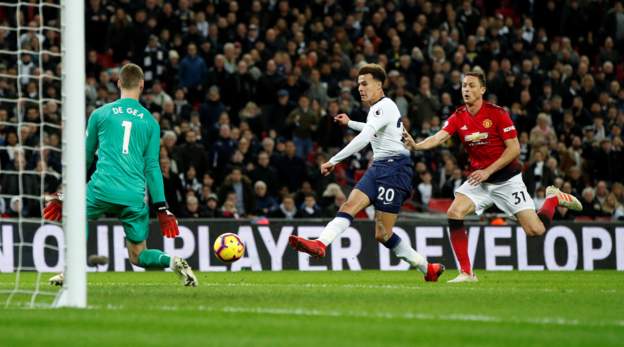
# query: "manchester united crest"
{"type": "Point", "coordinates": [487, 123]}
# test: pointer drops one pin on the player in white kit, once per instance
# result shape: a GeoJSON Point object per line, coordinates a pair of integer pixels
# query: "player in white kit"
{"type": "Point", "coordinates": [386, 184]}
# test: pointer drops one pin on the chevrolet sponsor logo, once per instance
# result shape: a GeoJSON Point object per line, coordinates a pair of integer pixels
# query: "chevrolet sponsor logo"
{"type": "Point", "coordinates": [476, 137]}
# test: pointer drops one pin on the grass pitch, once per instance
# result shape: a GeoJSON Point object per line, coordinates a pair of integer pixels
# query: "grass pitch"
{"type": "Point", "coordinates": [368, 308]}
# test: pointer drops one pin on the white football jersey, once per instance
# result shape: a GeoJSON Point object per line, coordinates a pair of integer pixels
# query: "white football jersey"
{"type": "Point", "coordinates": [385, 118]}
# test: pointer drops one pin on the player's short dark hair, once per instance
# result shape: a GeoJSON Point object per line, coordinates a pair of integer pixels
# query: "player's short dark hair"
{"type": "Point", "coordinates": [376, 70]}
{"type": "Point", "coordinates": [130, 76]}
{"type": "Point", "coordinates": [478, 74]}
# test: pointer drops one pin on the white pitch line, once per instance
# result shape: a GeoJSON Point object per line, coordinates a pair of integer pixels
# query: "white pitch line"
{"type": "Point", "coordinates": [457, 317]}
{"type": "Point", "coordinates": [306, 312]}
{"type": "Point", "coordinates": [411, 316]}
{"type": "Point", "coordinates": [325, 285]}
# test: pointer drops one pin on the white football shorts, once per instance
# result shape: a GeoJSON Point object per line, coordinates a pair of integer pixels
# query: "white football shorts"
{"type": "Point", "coordinates": [510, 196]}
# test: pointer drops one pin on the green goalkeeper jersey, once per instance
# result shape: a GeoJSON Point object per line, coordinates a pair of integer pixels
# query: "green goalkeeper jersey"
{"type": "Point", "coordinates": [127, 138]}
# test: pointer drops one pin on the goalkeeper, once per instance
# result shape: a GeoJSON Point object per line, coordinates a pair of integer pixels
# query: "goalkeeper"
{"type": "Point", "coordinates": [127, 138]}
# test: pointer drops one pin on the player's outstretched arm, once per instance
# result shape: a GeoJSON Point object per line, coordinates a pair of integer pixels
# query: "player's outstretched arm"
{"type": "Point", "coordinates": [356, 145]}
{"type": "Point", "coordinates": [153, 175]}
{"type": "Point", "coordinates": [154, 178]}
{"type": "Point", "coordinates": [343, 119]}
{"type": "Point", "coordinates": [91, 138]}
{"type": "Point", "coordinates": [430, 142]}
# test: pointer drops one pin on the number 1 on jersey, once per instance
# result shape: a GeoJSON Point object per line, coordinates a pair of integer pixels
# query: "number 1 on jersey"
{"type": "Point", "coordinates": [126, 140]}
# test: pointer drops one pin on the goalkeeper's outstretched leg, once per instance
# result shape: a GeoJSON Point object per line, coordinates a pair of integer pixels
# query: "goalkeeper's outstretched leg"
{"type": "Point", "coordinates": [148, 258]}
{"type": "Point", "coordinates": [141, 256]}
{"type": "Point", "coordinates": [135, 220]}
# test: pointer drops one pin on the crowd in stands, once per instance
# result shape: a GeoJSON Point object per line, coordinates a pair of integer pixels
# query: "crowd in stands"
{"type": "Point", "coordinates": [245, 93]}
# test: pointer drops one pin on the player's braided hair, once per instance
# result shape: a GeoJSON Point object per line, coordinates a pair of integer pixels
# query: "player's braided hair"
{"type": "Point", "coordinates": [376, 70]}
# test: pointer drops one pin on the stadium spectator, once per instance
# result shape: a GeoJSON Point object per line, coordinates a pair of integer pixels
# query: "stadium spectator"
{"type": "Point", "coordinates": [211, 109]}
{"type": "Point", "coordinates": [542, 133]}
{"type": "Point", "coordinates": [180, 103]}
{"type": "Point", "coordinates": [538, 174]}
{"type": "Point", "coordinates": [211, 209]}
{"type": "Point", "coordinates": [290, 168]}
{"type": "Point", "coordinates": [309, 208]}
{"type": "Point", "coordinates": [264, 172]}
{"type": "Point", "coordinates": [265, 203]}
{"type": "Point", "coordinates": [303, 121]}
{"type": "Point", "coordinates": [15, 208]}
{"type": "Point", "coordinates": [426, 104]}
{"type": "Point", "coordinates": [591, 206]}
{"type": "Point", "coordinates": [174, 190]}
{"type": "Point", "coordinates": [276, 114]}
{"type": "Point", "coordinates": [191, 208]}
{"type": "Point", "coordinates": [191, 153]}
{"type": "Point", "coordinates": [228, 209]}
{"type": "Point", "coordinates": [190, 182]}
{"type": "Point", "coordinates": [154, 61]}
{"type": "Point", "coordinates": [118, 41]}
{"type": "Point", "coordinates": [158, 95]}
{"type": "Point", "coordinates": [618, 190]}
{"type": "Point", "coordinates": [221, 151]}
{"type": "Point", "coordinates": [241, 186]}
{"type": "Point", "coordinates": [192, 73]}
{"type": "Point", "coordinates": [286, 209]}
{"type": "Point", "coordinates": [329, 133]}
{"type": "Point", "coordinates": [425, 189]}
{"type": "Point", "coordinates": [451, 184]}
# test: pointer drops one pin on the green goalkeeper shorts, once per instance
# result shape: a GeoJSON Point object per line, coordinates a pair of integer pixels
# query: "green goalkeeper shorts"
{"type": "Point", "coordinates": [135, 219]}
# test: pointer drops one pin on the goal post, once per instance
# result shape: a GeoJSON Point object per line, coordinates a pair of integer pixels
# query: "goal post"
{"type": "Point", "coordinates": [43, 67]}
{"type": "Point", "coordinates": [74, 292]}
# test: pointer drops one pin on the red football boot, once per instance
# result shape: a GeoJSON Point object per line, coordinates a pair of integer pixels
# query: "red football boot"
{"type": "Point", "coordinates": [434, 271]}
{"type": "Point", "coordinates": [314, 248]}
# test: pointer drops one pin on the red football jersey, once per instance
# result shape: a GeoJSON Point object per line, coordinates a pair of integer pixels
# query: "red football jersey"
{"type": "Point", "coordinates": [483, 136]}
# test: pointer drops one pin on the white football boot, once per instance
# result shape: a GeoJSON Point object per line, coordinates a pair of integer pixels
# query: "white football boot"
{"type": "Point", "coordinates": [57, 280]}
{"type": "Point", "coordinates": [565, 199]}
{"type": "Point", "coordinates": [183, 270]}
{"type": "Point", "coordinates": [464, 277]}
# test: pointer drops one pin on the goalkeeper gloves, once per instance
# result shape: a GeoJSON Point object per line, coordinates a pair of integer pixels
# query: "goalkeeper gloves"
{"type": "Point", "coordinates": [54, 208]}
{"type": "Point", "coordinates": [167, 221]}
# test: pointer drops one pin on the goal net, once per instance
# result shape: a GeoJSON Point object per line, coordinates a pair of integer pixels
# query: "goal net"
{"type": "Point", "coordinates": [41, 151]}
